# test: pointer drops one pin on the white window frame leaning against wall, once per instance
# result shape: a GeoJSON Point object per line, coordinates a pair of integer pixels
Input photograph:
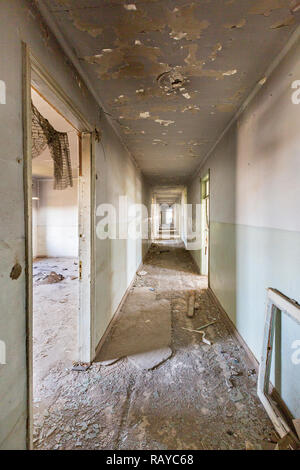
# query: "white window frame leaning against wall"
{"type": "Point", "coordinates": [276, 301]}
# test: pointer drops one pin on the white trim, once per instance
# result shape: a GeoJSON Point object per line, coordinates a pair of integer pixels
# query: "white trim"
{"type": "Point", "coordinates": [275, 301]}
{"type": "Point", "coordinates": [86, 251]}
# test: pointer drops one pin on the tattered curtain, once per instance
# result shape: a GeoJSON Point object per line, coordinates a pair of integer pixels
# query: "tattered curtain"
{"type": "Point", "coordinates": [44, 134]}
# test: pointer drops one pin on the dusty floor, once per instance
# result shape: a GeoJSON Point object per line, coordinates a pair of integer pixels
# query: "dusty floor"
{"type": "Point", "coordinates": [200, 398]}
{"type": "Point", "coordinates": [55, 311]}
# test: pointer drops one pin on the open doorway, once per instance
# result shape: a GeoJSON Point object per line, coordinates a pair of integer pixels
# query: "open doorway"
{"type": "Point", "coordinates": [205, 211]}
{"type": "Point", "coordinates": [59, 189]}
{"type": "Point", "coordinates": [55, 253]}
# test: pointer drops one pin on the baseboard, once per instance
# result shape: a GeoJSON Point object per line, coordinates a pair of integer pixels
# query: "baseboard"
{"type": "Point", "coordinates": [115, 316]}
{"type": "Point", "coordinates": [252, 361]}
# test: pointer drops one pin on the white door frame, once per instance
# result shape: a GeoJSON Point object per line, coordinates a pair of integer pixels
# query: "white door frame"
{"type": "Point", "coordinates": [205, 258]}
{"type": "Point", "coordinates": [46, 85]}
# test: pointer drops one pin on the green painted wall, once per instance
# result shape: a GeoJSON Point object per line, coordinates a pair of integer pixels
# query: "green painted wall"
{"type": "Point", "coordinates": [255, 222]}
{"type": "Point", "coordinates": [246, 261]}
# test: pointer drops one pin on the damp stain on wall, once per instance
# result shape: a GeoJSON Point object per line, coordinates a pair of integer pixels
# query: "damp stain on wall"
{"type": "Point", "coordinates": [15, 272]}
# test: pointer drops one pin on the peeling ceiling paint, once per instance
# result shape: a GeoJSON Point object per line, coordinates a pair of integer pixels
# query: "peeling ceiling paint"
{"type": "Point", "coordinates": [172, 73]}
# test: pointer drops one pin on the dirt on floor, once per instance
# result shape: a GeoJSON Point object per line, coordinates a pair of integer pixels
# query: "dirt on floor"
{"type": "Point", "coordinates": [55, 314]}
{"type": "Point", "coordinates": [202, 397]}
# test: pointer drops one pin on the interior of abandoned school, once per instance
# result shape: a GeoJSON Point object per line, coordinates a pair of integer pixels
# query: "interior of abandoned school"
{"type": "Point", "coordinates": [188, 335]}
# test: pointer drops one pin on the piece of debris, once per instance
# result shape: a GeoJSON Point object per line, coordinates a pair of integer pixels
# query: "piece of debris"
{"type": "Point", "coordinates": [81, 366]}
{"type": "Point", "coordinates": [265, 445]}
{"type": "Point", "coordinates": [206, 325]}
{"type": "Point", "coordinates": [52, 278]}
{"type": "Point", "coordinates": [251, 372]}
{"type": "Point", "coordinates": [296, 423]}
{"type": "Point", "coordinates": [73, 278]}
{"type": "Point", "coordinates": [142, 273]}
{"type": "Point", "coordinates": [191, 305]}
{"type": "Point", "coordinates": [287, 442]}
{"type": "Point", "coordinates": [203, 339]}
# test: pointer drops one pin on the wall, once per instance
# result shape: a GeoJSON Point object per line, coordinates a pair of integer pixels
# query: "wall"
{"type": "Point", "coordinates": [116, 260]}
{"type": "Point", "coordinates": [56, 220]}
{"type": "Point", "coordinates": [255, 223]}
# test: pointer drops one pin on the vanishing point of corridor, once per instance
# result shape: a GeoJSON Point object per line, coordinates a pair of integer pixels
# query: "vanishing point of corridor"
{"type": "Point", "coordinates": [196, 396]}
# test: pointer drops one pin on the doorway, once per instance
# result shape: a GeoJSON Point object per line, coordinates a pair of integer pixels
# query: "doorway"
{"type": "Point", "coordinates": [205, 218]}
{"type": "Point", "coordinates": [59, 221]}
{"type": "Point", "coordinates": [55, 255]}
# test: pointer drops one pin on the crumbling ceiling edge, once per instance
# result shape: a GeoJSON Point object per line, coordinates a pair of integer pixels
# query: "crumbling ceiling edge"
{"type": "Point", "coordinates": [60, 37]}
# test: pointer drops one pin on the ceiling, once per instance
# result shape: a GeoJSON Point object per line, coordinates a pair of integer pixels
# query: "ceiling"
{"type": "Point", "coordinates": [216, 51]}
{"type": "Point", "coordinates": [42, 166]}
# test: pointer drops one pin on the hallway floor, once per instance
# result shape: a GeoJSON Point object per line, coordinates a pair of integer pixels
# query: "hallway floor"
{"type": "Point", "coordinates": [202, 397]}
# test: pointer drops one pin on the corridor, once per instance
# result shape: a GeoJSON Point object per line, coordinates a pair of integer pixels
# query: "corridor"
{"type": "Point", "coordinates": [150, 229]}
{"type": "Point", "coordinates": [201, 397]}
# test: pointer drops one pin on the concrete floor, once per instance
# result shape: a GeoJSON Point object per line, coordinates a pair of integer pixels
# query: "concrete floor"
{"type": "Point", "coordinates": [202, 397]}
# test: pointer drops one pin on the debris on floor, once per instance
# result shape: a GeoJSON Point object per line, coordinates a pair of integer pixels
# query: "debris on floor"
{"type": "Point", "coordinates": [206, 325]}
{"type": "Point", "coordinates": [81, 367]}
{"type": "Point", "coordinates": [150, 359]}
{"type": "Point", "coordinates": [52, 278]}
{"type": "Point", "coordinates": [296, 423]}
{"type": "Point", "coordinates": [182, 403]}
{"type": "Point", "coordinates": [288, 442]}
{"type": "Point", "coordinates": [142, 273]}
{"type": "Point", "coordinates": [191, 305]}
{"type": "Point", "coordinates": [203, 338]}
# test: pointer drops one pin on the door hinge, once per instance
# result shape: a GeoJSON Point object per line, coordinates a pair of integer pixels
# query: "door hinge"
{"type": "Point", "coordinates": [80, 270]}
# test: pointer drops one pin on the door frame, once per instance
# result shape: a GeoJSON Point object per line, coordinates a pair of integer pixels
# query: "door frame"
{"type": "Point", "coordinates": [86, 223]}
{"type": "Point", "coordinates": [205, 178]}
